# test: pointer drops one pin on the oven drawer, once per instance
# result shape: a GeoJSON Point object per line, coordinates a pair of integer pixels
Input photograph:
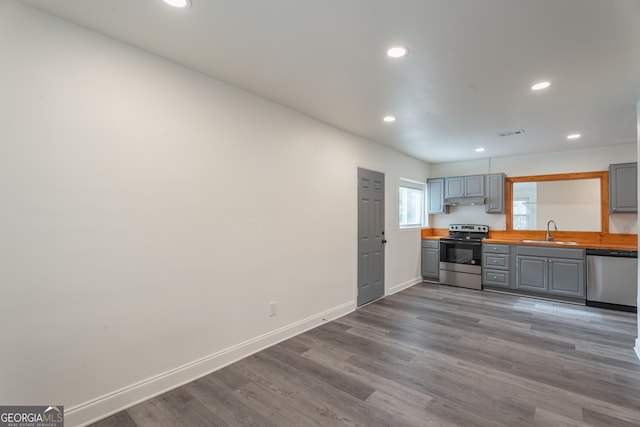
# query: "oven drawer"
{"type": "Point", "coordinates": [495, 261]}
{"type": "Point", "coordinates": [498, 278]}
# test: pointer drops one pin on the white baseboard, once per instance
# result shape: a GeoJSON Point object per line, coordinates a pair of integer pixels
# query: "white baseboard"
{"type": "Point", "coordinates": [94, 410]}
{"type": "Point", "coordinates": [638, 347]}
{"type": "Point", "coordinates": [402, 286]}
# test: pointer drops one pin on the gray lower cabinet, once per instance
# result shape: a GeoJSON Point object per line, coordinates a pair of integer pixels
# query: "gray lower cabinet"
{"type": "Point", "coordinates": [531, 273]}
{"type": "Point", "coordinates": [623, 187]}
{"type": "Point", "coordinates": [567, 278]}
{"type": "Point", "coordinates": [551, 271]}
{"type": "Point", "coordinates": [496, 266]}
{"type": "Point", "coordinates": [431, 259]}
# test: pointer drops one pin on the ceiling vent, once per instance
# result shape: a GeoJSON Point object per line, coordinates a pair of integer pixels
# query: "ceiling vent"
{"type": "Point", "coordinates": [511, 132]}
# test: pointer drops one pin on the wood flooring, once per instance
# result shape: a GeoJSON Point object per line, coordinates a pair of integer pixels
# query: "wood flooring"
{"type": "Point", "coordinates": [431, 355]}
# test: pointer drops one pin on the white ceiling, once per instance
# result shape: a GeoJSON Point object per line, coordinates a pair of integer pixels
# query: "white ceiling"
{"type": "Point", "coordinates": [466, 77]}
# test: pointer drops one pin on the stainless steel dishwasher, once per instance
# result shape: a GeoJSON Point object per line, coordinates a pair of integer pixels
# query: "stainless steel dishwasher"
{"type": "Point", "coordinates": [612, 279]}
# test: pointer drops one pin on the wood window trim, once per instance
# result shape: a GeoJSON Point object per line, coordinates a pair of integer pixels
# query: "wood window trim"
{"type": "Point", "coordinates": [604, 192]}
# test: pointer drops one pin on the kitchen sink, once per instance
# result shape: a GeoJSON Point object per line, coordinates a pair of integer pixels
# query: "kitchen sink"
{"type": "Point", "coordinates": [549, 242]}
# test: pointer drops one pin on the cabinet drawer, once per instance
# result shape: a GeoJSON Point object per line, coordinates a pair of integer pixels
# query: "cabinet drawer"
{"type": "Point", "coordinates": [432, 244]}
{"type": "Point", "coordinates": [548, 252]}
{"type": "Point", "coordinates": [495, 249]}
{"type": "Point", "coordinates": [495, 278]}
{"type": "Point", "coordinates": [495, 261]}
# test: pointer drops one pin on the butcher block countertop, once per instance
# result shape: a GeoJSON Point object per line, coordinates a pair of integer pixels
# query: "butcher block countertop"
{"type": "Point", "coordinates": [583, 239]}
{"type": "Point", "coordinates": [594, 245]}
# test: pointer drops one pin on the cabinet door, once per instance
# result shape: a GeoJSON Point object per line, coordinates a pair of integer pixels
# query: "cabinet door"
{"type": "Point", "coordinates": [474, 186]}
{"type": "Point", "coordinates": [531, 273]}
{"type": "Point", "coordinates": [454, 187]}
{"type": "Point", "coordinates": [566, 277]}
{"type": "Point", "coordinates": [623, 187]}
{"type": "Point", "coordinates": [435, 196]}
{"type": "Point", "coordinates": [430, 263]}
{"type": "Point", "coordinates": [495, 193]}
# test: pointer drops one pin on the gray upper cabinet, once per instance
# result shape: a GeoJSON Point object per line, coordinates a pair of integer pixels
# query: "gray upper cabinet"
{"type": "Point", "coordinates": [495, 193]}
{"type": "Point", "coordinates": [454, 187]}
{"type": "Point", "coordinates": [623, 187]}
{"type": "Point", "coordinates": [474, 186]}
{"type": "Point", "coordinates": [435, 196]}
{"type": "Point", "coordinates": [464, 186]}
{"type": "Point", "coordinates": [461, 190]}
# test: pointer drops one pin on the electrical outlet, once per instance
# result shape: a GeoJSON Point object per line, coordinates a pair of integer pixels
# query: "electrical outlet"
{"type": "Point", "coordinates": [273, 309]}
{"type": "Point", "coordinates": [625, 228]}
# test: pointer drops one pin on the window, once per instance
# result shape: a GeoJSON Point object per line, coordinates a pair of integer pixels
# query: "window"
{"type": "Point", "coordinates": [411, 204]}
{"type": "Point", "coordinates": [521, 214]}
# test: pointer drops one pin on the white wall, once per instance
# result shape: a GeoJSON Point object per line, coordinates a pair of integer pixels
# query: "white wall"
{"type": "Point", "coordinates": [585, 160]}
{"type": "Point", "coordinates": [149, 215]}
{"type": "Point", "coordinates": [574, 205]}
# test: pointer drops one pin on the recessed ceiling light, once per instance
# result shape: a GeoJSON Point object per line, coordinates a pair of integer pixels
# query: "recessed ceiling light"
{"type": "Point", "coordinates": [397, 51]}
{"type": "Point", "coordinates": [479, 149]}
{"type": "Point", "coordinates": [389, 119]}
{"type": "Point", "coordinates": [540, 85]}
{"type": "Point", "coordinates": [178, 3]}
{"type": "Point", "coordinates": [574, 136]}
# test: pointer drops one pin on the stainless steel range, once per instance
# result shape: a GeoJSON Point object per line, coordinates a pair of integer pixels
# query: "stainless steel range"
{"type": "Point", "coordinates": [461, 255]}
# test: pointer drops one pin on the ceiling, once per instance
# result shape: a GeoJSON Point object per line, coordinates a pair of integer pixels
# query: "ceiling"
{"type": "Point", "coordinates": [466, 78]}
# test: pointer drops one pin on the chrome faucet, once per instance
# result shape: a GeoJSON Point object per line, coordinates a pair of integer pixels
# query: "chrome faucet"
{"type": "Point", "coordinates": [548, 237]}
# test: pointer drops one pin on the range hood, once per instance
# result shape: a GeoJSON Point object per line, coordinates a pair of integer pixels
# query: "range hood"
{"type": "Point", "coordinates": [465, 201]}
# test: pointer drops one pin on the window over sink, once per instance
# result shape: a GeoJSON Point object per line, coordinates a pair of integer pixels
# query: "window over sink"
{"type": "Point", "coordinates": [576, 201]}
